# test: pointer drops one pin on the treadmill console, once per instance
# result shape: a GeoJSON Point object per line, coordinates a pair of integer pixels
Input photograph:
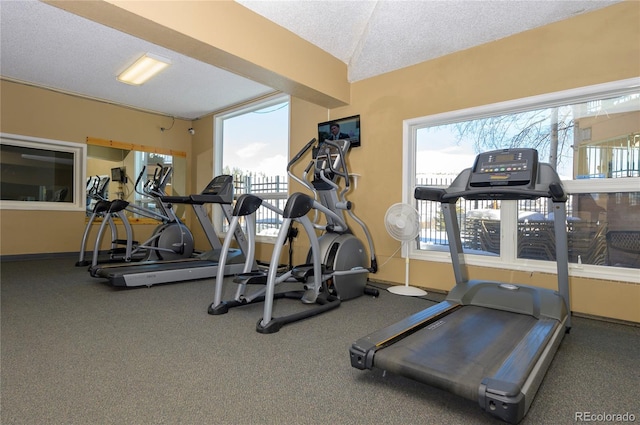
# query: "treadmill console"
{"type": "Point", "coordinates": [221, 186]}
{"type": "Point", "coordinates": [505, 167]}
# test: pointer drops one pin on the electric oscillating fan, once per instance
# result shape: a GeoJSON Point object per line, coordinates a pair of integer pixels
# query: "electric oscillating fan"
{"type": "Point", "coordinates": [403, 224]}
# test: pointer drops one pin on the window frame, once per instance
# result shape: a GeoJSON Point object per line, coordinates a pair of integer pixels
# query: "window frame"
{"type": "Point", "coordinates": [218, 144]}
{"type": "Point", "coordinates": [507, 259]}
{"type": "Point", "coordinates": [79, 151]}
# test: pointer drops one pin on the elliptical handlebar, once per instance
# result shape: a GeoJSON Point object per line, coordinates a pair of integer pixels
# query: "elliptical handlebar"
{"type": "Point", "coordinates": [302, 151]}
{"type": "Point", "coordinates": [336, 168]}
{"type": "Point", "coordinates": [135, 186]}
{"type": "Point", "coordinates": [332, 164]}
{"type": "Point", "coordinates": [333, 168]}
{"type": "Point", "coordinates": [95, 189]}
{"type": "Point", "coordinates": [154, 188]}
{"type": "Point", "coordinates": [295, 159]}
{"type": "Point", "coordinates": [161, 177]}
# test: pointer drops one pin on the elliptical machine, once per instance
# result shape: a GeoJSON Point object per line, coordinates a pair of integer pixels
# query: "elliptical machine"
{"type": "Point", "coordinates": [337, 265]}
{"type": "Point", "coordinates": [170, 240]}
{"type": "Point", "coordinates": [97, 207]}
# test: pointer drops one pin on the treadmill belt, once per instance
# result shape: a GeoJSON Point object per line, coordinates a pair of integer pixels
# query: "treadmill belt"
{"type": "Point", "coordinates": [456, 352]}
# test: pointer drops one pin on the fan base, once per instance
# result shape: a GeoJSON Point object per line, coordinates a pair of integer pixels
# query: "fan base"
{"type": "Point", "coordinates": [407, 290]}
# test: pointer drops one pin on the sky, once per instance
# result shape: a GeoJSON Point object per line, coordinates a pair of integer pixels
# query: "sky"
{"type": "Point", "coordinates": [258, 142]}
{"type": "Point", "coordinates": [440, 154]}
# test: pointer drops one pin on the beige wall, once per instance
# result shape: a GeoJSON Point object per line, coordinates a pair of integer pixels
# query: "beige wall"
{"type": "Point", "coordinates": [589, 49]}
{"type": "Point", "coordinates": [35, 112]}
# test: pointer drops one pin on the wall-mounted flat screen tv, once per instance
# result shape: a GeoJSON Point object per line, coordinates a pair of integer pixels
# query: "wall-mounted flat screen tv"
{"type": "Point", "coordinates": [118, 175]}
{"type": "Point", "coordinates": [340, 129]}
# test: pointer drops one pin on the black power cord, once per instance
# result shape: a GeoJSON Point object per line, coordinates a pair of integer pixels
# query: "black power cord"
{"type": "Point", "coordinates": [292, 233]}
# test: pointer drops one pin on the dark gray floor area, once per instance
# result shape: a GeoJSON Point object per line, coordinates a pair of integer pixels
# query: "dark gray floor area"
{"type": "Point", "coordinates": [76, 351]}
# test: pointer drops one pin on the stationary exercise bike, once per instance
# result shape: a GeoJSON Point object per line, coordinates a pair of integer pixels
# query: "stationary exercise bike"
{"type": "Point", "coordinates": [337, 265]}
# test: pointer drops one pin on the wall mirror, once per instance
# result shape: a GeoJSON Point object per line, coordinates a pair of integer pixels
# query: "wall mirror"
{"type": "Point", "coordinates": [114, 169]}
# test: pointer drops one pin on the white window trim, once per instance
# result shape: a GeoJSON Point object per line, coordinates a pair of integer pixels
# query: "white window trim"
{"type": "Point", "coordinates": [217, 149]}
{"type": "Point", "coordinates": [79, 151]}
{"type": "Point", "coordinates": [507, 259]}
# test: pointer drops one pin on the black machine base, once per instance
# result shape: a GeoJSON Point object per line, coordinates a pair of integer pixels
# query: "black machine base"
{"type": "Point", "coordinates": [324, 303]}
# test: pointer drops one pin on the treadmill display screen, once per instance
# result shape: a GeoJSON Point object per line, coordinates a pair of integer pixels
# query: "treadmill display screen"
{"type": "Point", "coordinates": [507, 167]}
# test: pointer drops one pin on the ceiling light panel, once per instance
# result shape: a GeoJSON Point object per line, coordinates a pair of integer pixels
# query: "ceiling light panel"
{"type": "Point", "coordinates": [143, 69]}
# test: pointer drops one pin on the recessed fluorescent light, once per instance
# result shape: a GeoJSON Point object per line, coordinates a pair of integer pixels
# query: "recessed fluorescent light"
{"type": "Point", "coordinates": [143, 69]}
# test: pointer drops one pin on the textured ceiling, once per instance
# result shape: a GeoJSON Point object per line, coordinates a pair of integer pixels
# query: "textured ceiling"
{"type": "Point", "coordinates": [49, 47]}
{"type": "Point", "coordinates": [374, 37]}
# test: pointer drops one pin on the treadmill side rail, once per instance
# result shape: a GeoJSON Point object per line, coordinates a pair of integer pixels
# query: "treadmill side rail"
{"type": "Point", "coordinates": [505, 394]}
{"type": "Point", "coordinates": [363, 350]}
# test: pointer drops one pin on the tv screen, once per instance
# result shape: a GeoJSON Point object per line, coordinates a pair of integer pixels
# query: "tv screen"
{"type": "Point", "coordinates": [340, 129]}
{"type": "Point", "coordinates": [117, 175]}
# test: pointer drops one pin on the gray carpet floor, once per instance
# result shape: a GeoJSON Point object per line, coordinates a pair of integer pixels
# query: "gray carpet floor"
{"type": "Point", "coordinates": [76, 351]}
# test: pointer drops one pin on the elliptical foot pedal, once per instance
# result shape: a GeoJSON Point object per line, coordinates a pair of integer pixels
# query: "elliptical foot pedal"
{"type": "Point", "coordinates": [251, 278]}
{"type": "Point", "coordinates": [124, 242]}
{"type": "Point", "coordinates": [117, 251]}
{"type": "Point", "coordinates": [304, 271]}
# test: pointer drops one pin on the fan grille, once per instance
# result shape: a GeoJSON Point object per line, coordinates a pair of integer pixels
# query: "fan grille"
{"type": "Point", "coordinates": [402, 222]}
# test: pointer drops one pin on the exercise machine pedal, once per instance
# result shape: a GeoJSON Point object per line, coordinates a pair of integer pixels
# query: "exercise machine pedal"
{"type": "Point", "coordinates": [305, 271]}
{"type": "Point", "coordinates": [251, 278]}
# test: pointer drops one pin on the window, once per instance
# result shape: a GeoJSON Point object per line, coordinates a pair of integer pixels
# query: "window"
{"type": "Point", "coordinates": [252, 144]}
{"type": "Point", "coordinates": [41, 174]}
{"type": "Point", "coordinates": [590, 135]}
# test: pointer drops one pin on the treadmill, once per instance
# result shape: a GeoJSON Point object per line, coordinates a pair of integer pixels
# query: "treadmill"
{"type": "Point", "coordinates": [488, 341]}
{"type": "Point", "coordinates": [203, 266]}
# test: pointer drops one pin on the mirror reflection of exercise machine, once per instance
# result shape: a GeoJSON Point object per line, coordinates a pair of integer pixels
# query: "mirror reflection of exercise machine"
{"type": "Point", "coordinates": [489, 342]}
{"type": "Point", "coordinates": [337, 265]}
{"type": "Point", "coordinates": [97, 207]}
{"type": "Point", "coordinates": [105, 155]}
{"type": "Point", "coordinates": [170, 240]}
{"type": "Point", "coordinates": [203, 266]}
